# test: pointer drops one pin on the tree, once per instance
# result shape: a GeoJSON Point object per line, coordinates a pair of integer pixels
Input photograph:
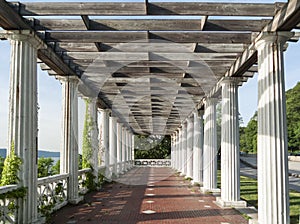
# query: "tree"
{"type": "Point", "coordinates": [45, 167]}
{"type": "Point", "coordinates": [248, 136]}
{"type": "Point", "coordinates": [11, 168]}
{"type": "Point", "coordinates": [1, 166]}
{"type": "Point", "coordinates": [56, 168]}
{"type": "Point", "coordinates": [293, 118]}
{"type": "Point", "coordinates": [152, 147]}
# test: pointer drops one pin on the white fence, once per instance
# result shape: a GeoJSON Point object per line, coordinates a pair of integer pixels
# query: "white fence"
{"type": "Point", "coordinates": [152, 162]}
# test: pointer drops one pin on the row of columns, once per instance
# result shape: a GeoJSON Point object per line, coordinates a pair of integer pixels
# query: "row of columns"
{"type": "Point", "coordinates": [23, 127]}
{"type": "Point", "coordinates": [194, 145]}
{"type": "Point", "coordinates": [195, 137]}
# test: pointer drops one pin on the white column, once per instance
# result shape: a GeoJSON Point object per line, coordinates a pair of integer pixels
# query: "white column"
{"type": "Point", "coordinates": [133, 149]}
{"type": "Point", "coordinates": [190, 133]}
{"type": "Point", "coordinates": [172, 150]}
{"type": "Point", "coordinates": [184, 149]}
{"type": "Point", "coordinates": [230, 150]}
{"type": "Point", "coordinates": [198, 147]}
{"type": "Point", "coordinates": [124, 148]}
{"type": "Point", "coordinates": [23, 130]}
{"type": "Point", "coordinates": [119, 147]}
{"type": "Point", "coordinates": [210, 146]}
{"type": "Point", "coordinates": [94, 133]}
{"type": "Point", "coordinates": [273, 190]}
{"type": "Point", "coordinates": [113, 144]}
{"type": "Point", "coordinates": [175, 150]}
{"type": "Point", "coordinates": [180, 152]}
{"type": "Point", "coordinates": [105, 140]}
{"type": "Point", "coordinates": [69, 147]}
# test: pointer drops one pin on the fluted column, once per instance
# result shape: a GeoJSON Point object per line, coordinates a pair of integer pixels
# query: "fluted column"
{"type": "Point", "coordinates": [94, 133]}
{"type": "Point", "coordinates": [105, 140]}
{"type": "Point", "coordinates": [69, 147]}
{"type": "Point", "coordinates": [179, 156]}
{"type": "Point", "coordinates": [198, 147]}
{"type": "Point", "coordinates": [184, 149]}
{"type": "Point", "coordinates": [172, 150]}
{"type": "Point", "coordinates": [210, 146]}
{"type": "Point", "coordinates": [124, 148]}
{"type": "Point", "coordinates": [23, 119]}
{"type": "Point", "coordinates": [190, 133]}
{"type": "Point", "coordinates": [230, 150]}
{"type": "Point", "coordinates": [119, 147]}
{"type": "Point", "coordinates": [113, 144]}
{"type": "Point", "coordinates": [176, 150]}
{"type": "Point", "coordinates": [272, 154]}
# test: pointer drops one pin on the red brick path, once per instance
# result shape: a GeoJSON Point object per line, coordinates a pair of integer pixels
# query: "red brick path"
{"type": "Point", "coordinates": [148, 195]}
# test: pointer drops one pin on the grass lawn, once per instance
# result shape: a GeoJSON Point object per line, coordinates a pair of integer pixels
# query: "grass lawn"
{"type": "Point", "coordinates": [249, 194]}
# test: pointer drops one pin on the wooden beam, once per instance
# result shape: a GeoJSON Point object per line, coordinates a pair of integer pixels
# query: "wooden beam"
{"type": "Point", "coordinates": [150, 24]}
{"type": "Point", "coordinates": [141, 36]}
{"type": "Point", "coordinates": [79, 8]}
{"type": "Point", "coordinates": [139, 8]}
{"type": "Point", "coordinates": [152, 56]}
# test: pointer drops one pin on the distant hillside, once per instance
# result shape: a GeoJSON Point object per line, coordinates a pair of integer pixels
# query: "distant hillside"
{"type": "Point", "coordinates": [41, 153]}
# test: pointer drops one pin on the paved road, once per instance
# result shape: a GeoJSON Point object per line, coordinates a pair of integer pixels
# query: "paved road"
{"type": "Point", "coordinates": [294, 167]}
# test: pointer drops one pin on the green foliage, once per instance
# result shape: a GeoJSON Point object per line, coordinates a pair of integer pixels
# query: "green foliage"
{"type": "Point", "coordinates": [45, 167]}
{"type": "Point", "coordinates": [1, 166]}
{"type": "Point", "coordinates": [11, 168]}
{"type": "Point", "coordinates": [87, 147]}
{"type": "Point", "coordinates": [293, 118]}
{"type": "Point", "coordinates": [56, 168]}
{"type": "Point", "coordinates": [248, 136]}
{"type": "Point", "coordinates": [152, 147]}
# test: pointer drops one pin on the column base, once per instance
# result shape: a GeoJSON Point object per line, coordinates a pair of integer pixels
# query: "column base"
{"type": "Point", "coordinates": [197, 183]}
{"type": "Point", "coordinates": [214, 191]}
{"type": "Point", "coordinates": [39, 220]}
{"type": "Point", "coordinates": [230, 204]}
{"type": "Point", "coordinates": [75, 201]}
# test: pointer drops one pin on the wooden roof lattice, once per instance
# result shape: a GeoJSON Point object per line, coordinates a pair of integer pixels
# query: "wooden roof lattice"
{"type": "Point", "coordinates": [151, 63]}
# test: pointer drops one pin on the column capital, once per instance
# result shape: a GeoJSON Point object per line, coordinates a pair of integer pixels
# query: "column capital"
{"type": "Point", "coordinates": [272, 37]}
{"type": "Point", "coordinates": [25, 36]}
{"type": "Point", "coordinates": [190, 118]}
{"type": "Point", "coordinates": [68, 78]}
{"type": "Point", "coordinates": [211, 100]}
{"type": "Point", "coordinates": [231, 80]}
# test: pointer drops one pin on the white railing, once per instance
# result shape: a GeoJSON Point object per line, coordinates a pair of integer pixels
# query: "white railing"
{"type": "Point", "coordinates": [52, 192]}
{"type": "Point", "coordinates": [152, 162]}
{"type": "Point", "coordinates": [7, 205]}
{"type": "Point", "coordinates": [82, 178]}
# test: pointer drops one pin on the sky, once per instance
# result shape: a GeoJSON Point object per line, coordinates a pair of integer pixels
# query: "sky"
{"type": "Point", "coordinates": [50, 96]}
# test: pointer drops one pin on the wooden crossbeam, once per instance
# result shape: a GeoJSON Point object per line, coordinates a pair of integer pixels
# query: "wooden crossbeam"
{"type": "Point", "coordinates": [150, 24]}
{"type": "Point", "coordinates": [141, 36]}
{"type": "Point", "coordinates": [139, 8]}
{"type": "Point", "coordinates": [152, 47]}
{"type": "Point", "coordinates": [152, 56]}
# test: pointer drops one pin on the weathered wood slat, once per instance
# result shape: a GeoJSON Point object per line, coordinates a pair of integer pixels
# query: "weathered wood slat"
{"type": "Point", "coordinates": [141, 36]}
{"type": "Point", "coordinates": [153, 56]}
{"type": "Point", "coordinates": [211, 9]}
{"type": "Point", "coordinates": [79, 8]}
{"type": "Point", "coordinates": [151, 24]}
{"type": "Point", "coordinates": [138, 8]}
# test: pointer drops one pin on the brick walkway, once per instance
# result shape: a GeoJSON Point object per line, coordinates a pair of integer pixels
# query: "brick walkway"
{"type": "Point", "coordinates": [148, 195]}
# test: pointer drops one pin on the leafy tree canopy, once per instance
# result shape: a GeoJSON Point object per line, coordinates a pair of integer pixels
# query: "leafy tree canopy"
{"type": "Point", "coordinates": [152, 147]}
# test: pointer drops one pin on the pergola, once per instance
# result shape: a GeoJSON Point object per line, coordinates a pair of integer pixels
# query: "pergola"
{"type": "Point", "coordinates": [156, 68]}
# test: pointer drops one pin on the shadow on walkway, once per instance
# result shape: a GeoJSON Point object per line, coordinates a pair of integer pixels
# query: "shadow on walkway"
{"type": "Point", "coordinates": [148, 195]}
